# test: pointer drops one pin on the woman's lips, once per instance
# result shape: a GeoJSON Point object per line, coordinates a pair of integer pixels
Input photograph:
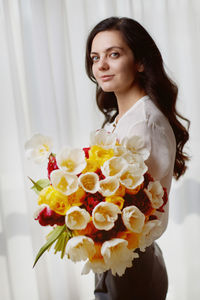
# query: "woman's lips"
{"type": "Point", "coordinates": [106, 77]}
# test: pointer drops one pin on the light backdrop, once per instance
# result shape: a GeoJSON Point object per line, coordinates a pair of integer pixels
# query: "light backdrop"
{"type": "Point", "coordinates": [43, 88]}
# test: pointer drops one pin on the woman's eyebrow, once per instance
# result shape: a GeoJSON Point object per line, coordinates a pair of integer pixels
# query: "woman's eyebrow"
{"type": "Point", "coordinates": [108, 49]}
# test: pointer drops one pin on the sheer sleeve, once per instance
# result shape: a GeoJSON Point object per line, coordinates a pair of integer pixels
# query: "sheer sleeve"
{"type": "Point", "coordinates": [161, 160]}
{"type": "Point", "coordinates": [158, 144]}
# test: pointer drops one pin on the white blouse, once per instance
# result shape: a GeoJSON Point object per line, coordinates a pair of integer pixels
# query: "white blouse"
{"type": "Point", "coordinates": [146, 120]}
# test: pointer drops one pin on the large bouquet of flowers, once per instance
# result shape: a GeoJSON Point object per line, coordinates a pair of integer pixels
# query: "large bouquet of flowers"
{"type": "Point", "coordinates": [101, 201]}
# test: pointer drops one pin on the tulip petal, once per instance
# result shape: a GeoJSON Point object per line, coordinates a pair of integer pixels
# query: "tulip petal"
{"type": "Point", "coordinates": [117, 256]}
{"type": "Point", "coordinates": [136, 161]}
{"type": "Point", "coordinates": [151, 230]}
{"type": "Point", "coordinates": [130, 177]}
{"type": "Point", "coordinates": [97, 266]}
{"type": "Point", "coordinates": [77, 218]}
{"type": "Point", "coordinates": [63, 182]}
{"type": "Point", "coordinates": [117, 200]}
{"type": "Point", "coordinates": [108, 186]}
{"type": "Point", "coordinates": [114, 166]}
{"type": "Point", "coordinates": [38, 148]}
{"type": "Point", "coordinates": [155, 193]}
{"type": "Point", "coordinates": [104, 215]}
{"type": "Point", "coordinates": [136, 145]}
{"type": "Point", "coordinates": [120, 150]}
{"type": "Point", "coordinates": [71, 160]}
{"type": "Point", "coordinates": [103, 138]}
{"type": "Point", "coordinates": [89, 182]}
{"type": "Point", "coordinates": [80, 248]}
{"type": "Point", "coordinates": [133, 218]}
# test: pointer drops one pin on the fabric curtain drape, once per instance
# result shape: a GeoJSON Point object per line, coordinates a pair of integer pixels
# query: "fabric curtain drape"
{"type": "Point", "coordinates": [44, 89]}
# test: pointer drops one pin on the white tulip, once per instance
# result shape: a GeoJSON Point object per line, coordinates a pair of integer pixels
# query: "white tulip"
{"type": "Point", "coordinates": [80, 248]}
{"type": "Point", "coordinates": [120, 150]}
{"type": "Point", "coordinates": [117, 256]}
{"type": "Point", "coordinates": [114, 166]}
{"type": "Point", "coordinates": [102, 138]}
{"type": "Point", "coordinates": [151, 230]}
{"type": "Point", "coordinates": [133, 218]}
{"type": "Point", "coordinates": [104, 215]}
{"type": "Point", "coordinates": [136, 161]}
{"type": "Point", "coordinates": [136, 145]}
{"type": "Point", "coordinates": [89, 182]}
{"type": "Point", "coordinates": [64, 182]}
{"type": "Point", "coordinates": [96, 265]}
{"type": "Point", "coordinates": [38, 148]}
{"type": "Point", "coordinates": [108, 186]}
{"type": "Point", "coordinates": [77, 218]}
{"type": "Point", "coordinates": [71, 160]}
{"type": "Point", "coordinates": [131, 177]}
{"type": "Point", "coordinates": [155, 193]}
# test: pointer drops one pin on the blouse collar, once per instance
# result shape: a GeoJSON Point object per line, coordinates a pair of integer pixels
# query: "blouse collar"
{"type": "Point", "coordinates": [133, 107]}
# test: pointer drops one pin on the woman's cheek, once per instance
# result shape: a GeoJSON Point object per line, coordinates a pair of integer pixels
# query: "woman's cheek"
{"type": "Point", "coordinates": [94, 72]}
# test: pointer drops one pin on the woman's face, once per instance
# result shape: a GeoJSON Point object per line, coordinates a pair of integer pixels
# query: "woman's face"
{"type": "Point", "coordinates": [113, 62]}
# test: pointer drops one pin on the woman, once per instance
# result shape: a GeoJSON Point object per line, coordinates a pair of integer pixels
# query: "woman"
{"type": "Point", "coordinates": [137, 98]}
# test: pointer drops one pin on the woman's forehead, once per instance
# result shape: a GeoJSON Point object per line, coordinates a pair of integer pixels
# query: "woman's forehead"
{"type": "Point", "coordinates": [105, 40]}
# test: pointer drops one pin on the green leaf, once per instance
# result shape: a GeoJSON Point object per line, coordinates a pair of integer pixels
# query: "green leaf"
{"type": "Point", "coordinates": [52, 237]}
{"type": "Point", "coordinates": [65, 240]}
{"type": "Point", "coordinates": [62, 242]}
{"type": "Point", "coordinates": [40, 184]}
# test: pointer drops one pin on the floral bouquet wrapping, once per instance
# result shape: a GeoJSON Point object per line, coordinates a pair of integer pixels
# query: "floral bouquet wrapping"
{"type": "Point", "coordinates": [100, 201]}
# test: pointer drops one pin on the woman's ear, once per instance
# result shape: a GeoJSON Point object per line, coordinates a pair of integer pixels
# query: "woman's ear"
{"type": "Point", "coordinates": [140, 68]}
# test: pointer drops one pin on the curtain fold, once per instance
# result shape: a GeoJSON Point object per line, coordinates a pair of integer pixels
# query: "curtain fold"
{"type": "Point", "coordinates": [44, 89]}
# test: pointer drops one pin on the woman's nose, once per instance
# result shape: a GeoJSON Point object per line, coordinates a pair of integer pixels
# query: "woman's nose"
{"type": "Point", "coordinates": [103, 64]}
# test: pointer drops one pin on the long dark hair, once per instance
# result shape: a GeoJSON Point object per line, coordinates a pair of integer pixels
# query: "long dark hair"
{"type": "Point", "coordinates": [154, 80]}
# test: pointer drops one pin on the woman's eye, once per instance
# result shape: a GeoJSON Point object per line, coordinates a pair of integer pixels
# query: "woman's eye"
{"type": "Point", "coordinates": [114, 54]}
{"type": "Point", "coordinates": [94, 58]}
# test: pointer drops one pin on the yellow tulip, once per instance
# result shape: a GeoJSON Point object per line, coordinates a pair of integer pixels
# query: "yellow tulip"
{"type": "Point", "coordinates": [91, 166]}
{"type": "Point", "coordinates": [131, 237]}
{"type": "Point", "coordinates": [117, 200]}
{"type": "Point", "coordinates": [120, 191]}
{"type": "Point", "coordinates": [77, 198]}
{"type": "Point", "coordinates": [99, 155]}
{"type": "Point", "coordinates": [135, 190]}
{"type": "Point", "coordinates": [97, 254]}
{"type": "Point", "coordinates": [57, 201]}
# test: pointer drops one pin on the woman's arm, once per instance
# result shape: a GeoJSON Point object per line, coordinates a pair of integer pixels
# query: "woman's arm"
{"type": "Point", "coordinates": [161, 144]}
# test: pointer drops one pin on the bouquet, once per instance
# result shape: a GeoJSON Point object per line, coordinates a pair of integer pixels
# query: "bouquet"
{"type": "Point", "coordinates": [100, 201]}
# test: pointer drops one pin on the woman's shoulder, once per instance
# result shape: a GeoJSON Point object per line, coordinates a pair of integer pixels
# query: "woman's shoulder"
{"type": "Point", "coordinates": [153, 115]}
{"type": "Point", "coordinates": [145, 117]}
{"type": "Point", "coordinates": [145, 112]}
{"type": "Point", "coordinates": [153, 118]}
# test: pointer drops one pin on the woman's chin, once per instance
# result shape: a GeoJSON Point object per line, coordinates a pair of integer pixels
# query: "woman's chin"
{"type": "Point", "coordinates": [107, 89]}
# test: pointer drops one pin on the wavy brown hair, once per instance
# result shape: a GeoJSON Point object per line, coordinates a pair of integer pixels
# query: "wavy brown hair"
{"type": "Point", "coordinates": [154, 80]}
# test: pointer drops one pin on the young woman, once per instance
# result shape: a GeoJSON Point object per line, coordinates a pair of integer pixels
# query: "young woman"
{"type": "Point", "coordinates": [137, 98]}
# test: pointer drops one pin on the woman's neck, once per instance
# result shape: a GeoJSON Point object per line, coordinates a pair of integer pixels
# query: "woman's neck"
{"type": "Point", "coordinates": [127, 99]}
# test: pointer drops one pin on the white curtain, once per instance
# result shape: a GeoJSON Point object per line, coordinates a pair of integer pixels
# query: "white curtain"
{"type": "Point", "coordinates": [43, 88]}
